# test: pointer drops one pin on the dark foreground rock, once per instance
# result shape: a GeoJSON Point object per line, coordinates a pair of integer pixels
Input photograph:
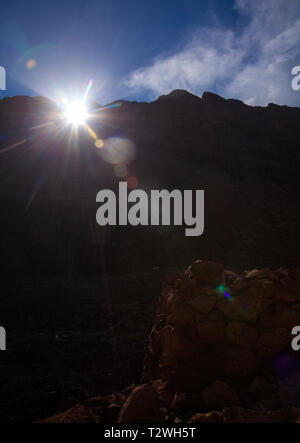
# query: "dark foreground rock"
{"type": "Point", "coordinates": [219, 352]}
{"type": "Point", "coordinates": [241, 415]}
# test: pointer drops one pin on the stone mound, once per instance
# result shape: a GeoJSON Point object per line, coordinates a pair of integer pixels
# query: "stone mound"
{"type": "Point", "coordinates": [220, 350]}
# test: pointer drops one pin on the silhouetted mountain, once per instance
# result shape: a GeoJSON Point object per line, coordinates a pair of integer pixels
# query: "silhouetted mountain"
{"type": "Point", "coordinates": [245, 158]}
{"type": "Point", "coordinates": [70, 334]}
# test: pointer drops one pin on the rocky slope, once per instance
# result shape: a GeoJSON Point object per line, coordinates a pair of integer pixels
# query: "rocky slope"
{"type": "Point", "coordinates": [70, 288]}
{"type": "Point", "coordinates": [245, 158]}
{"type": "Point", "coordinates": [219, 351]}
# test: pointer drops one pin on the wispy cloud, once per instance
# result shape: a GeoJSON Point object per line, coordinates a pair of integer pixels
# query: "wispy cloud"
{"type": "Point", "coordinates": [209, 57]}
{"type": "Point", "coordinates": [253, 64]}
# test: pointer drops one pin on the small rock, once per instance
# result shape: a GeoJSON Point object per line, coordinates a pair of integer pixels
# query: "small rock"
{"type": "Point", "coordinates": [212, 417]}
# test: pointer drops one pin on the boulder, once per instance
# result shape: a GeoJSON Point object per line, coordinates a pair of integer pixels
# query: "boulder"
{"type": "Point", "coordinates": [218, 395]}
{"type": "Point", "coordinates": [226, 355]}
{"type": "Point", "coordinates": [184, 402]}
{"type": "Point", "coordinates": [77, 414]}
{"type": "Point", "coordinates": [203, 303]}
{"type": "Point", "coordinates": [211, 417]}
{"type": "Point", "coordinates": [236, 362]}
{"type": "Point", "coordinates": [207, 273]}
{"type": "Point", "coordinates": [142, 406]}
{"type": "Point", "coordinates": [259, 387]}
{"type": "Point", "coordinates": [281, 316]}
{"type": "Point", "coordinates": [273, 341]}
{"type": "Point", "coordinates": [265, 274]}
{"type": "Point", "coordinates": [242, 415]}
{"type": "Point", "coordinates": [230, 277]}
{"type": "Point", "coordinates": [210, 328]}
{"type": "Point", "coordinates": [175, 346]}
{"type": "Point", "coordinates": [182, 315]}
{"type": "Point", "coordinates": [245, 308]}
{"type": "Point", "coordinates": [216, 332]}
{"type": "Point", "coordinates": [241, 334]}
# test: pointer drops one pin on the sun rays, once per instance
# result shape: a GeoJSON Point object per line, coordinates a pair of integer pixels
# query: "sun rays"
{"type": "Point", "coordinates": [69, 125]}
{"type": "Point", "coordinates": [76, 113]}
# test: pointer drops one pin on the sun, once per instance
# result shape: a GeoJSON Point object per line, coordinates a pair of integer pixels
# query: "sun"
{"type": "Point", "coordinates": [76, 113]}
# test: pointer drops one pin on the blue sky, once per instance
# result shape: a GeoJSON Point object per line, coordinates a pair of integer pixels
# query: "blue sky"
{"type": "Point", "coordinates": [140, 49]}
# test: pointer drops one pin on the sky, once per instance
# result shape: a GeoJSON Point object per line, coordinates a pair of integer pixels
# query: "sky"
{"type": "Point", "coordinates": [141, 49]}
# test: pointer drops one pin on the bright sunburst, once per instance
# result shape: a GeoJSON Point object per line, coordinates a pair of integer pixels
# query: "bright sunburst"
{"type": "Point", "coordinates": [76, 113]}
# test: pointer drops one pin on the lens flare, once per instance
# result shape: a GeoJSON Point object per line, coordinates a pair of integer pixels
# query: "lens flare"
{"type": "Point", "coordinates": [31, 63]}
{"type": "Point", "coordinates": [99, 143]}
{"type": "Point", "coordinates": [76, 113]}
{"type": "Point", "coordinates": [223, 290]}
{"type": "Point", "coordinates": [132, 182]}
{"type": "Point", "coordinates": [118, 150]}
{"type": "Point", "coordinates": [120, 170]}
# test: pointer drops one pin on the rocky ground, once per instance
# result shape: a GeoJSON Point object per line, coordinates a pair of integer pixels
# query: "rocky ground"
{"type": "Point", "coordinates": [219, 351]}
{"type": "Point", "coordinates": [69, 340]}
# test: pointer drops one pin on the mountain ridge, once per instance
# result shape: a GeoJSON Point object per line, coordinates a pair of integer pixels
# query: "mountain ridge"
{"type": "Point", "coordinates": [245, 158]}
{"type": "Point", "coordinates": [207, 96]}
